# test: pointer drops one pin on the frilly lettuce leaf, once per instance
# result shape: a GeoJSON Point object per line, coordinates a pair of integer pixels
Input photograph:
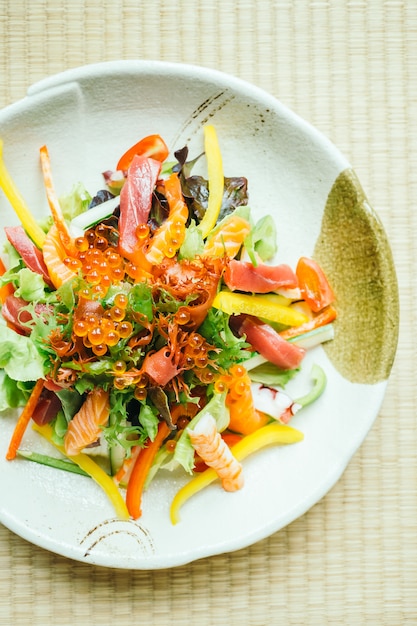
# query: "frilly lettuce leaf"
{"type": "Point", "coordinates": [31, 286]}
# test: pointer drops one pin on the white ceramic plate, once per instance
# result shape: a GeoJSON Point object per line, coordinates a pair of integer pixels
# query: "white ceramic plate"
{"type": "Point", "coordinates": [88, 117]}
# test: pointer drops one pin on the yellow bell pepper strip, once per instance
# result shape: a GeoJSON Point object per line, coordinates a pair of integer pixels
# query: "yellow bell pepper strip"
{"type": "Point", "coordinates": [215, 180]}
{"type": "Point", "coordinates": [93, 470]}
{"type": "Point", "coordinates": [11, 192]}
{"type": "Point", "coordinates": [272, 307]}
{"type": "Point", "coordinates": [274, 433]}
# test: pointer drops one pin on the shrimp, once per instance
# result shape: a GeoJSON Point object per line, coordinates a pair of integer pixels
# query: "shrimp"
{"type": "Point", "coordinates": [54, 254]}
{"type": "Point", "coordinates": [215, 452]}
{"type": "Point", "coordinates": [85, 427]}
{"type": "Point", "coordinates": [227, 240]}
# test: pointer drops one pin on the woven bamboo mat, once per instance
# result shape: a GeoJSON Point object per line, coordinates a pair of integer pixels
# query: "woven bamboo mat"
{"type": "Point", "coordinates": [350, 68]}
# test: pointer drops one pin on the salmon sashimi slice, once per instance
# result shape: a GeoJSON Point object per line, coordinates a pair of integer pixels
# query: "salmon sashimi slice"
{"type": "Point", "coordinates": [136, 202]}
{"type": "Point", "coordinates": [244, 276]}
{"type": "Point", "coordinates": [170, 235]}
{"type": "Point", "coordinates": [86, 425]}
{"type": "Point", "coordinates": [215, 452]}
{"type": "Point", "coordinates": [54, 254]}
{"type": "Point", "coordinates": [227, 240]}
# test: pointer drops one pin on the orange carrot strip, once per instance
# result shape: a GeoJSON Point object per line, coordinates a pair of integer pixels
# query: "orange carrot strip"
{"type": "Point", "coordinates": [325, 317]}
{"type": "Point", "coordinates": [140, 471]}
{"type": "Point", "coordinates": [7, 289]}
{"type": "Point", "coordinates": [52, 197]}
{"type": "Point", "coordinates": [24, 420]}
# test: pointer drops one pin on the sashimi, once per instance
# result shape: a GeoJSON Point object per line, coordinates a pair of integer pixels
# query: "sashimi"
{"type": "Point", "coordinates": [54, 254]}
{"type": "Point", "coordinates": [86, 425]}
{"type": "Point", "coordinates": [136, 201]}
{"type": "Point", "coordinates": [31, 255]}
{"type": "Point", "coordinates": [244, 276]}
{"type": "Point", "coordinates": [227, 240]}
{"type": "Point", "coordinates": [170, 235]}
{"type": "Point", "coordinates": [265, 340]}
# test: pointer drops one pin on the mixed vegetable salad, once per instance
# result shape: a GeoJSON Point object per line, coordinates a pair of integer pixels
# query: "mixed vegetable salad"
{"type": "Point", "coordinates": [147, 328]}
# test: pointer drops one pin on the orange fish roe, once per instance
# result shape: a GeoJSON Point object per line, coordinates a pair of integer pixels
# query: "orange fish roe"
{"type": "Point", "coordinates": [103, 329]}
{"type": "Point", "coordinates": [98, 261]}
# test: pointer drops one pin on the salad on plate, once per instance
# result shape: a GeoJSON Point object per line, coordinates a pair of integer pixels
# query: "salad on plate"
{"type": "Point", "coordinates": [147, 327]}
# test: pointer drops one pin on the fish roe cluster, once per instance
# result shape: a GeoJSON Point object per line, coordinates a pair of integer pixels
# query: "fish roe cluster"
{"type": "Point", "coordinates": [102, 331]}
{"type": "Point", "coordinates": [236, 382]}
{"type": "Point", "coordinates": [98, 260]}
{"type": "Point", "coordinates": [196, 352]}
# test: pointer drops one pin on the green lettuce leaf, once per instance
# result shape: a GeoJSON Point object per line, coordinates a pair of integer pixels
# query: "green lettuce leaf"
{"type": "Point", "coordinates": [271, 375]}
{"type": "Point", "coordinates": [262, 240]}
{"type": "Point", "coordinates": [31, 286]}
{"type": "Point", "coordinates": [184, 451]}
{"type": "Point", "coordinates": [11, 393]}
{"type": "Point", "coordinates": [149, 421]}
{"type": "Point", "coordinates": [19, 357]}
{"type": "Point", "coordinates": [193, 244]}
{"type": "Point", "coordinates": [230, 349]}
{"type": "Point", "coordinates": [75, 202]}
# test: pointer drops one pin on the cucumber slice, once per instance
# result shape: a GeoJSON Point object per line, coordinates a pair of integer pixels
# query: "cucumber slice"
{"type": "Point", "coordinates": [86, 220]}
{"type": "Point", "coordinates": [117, 455]}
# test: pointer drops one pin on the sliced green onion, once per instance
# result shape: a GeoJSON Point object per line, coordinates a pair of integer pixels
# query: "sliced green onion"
{"type": "Point", "coordinates": [51, 461]}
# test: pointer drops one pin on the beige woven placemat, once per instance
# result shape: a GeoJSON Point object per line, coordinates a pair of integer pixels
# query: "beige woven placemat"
{"type": "Point", "coordinates": [349, 67]}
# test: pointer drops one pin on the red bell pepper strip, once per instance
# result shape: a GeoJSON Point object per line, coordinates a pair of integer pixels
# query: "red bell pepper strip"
{"type": "Point", "coordinates": [24, 420]}
{"type": "Point", "coordinates": [151, 146]}
{"type": "Point", "coordinates": [140, 471]}
{"type": "Point", "coordinates": [7, 289]}
{"type": "Point", "coordinates": [314, 286]}
{"type": "Point", "coordinates": [326, 316]}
